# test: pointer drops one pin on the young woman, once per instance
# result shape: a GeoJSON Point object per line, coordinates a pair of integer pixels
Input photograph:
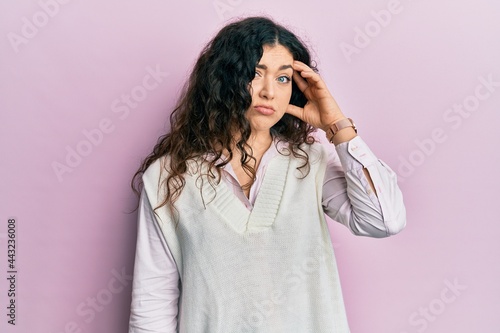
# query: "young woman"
{"type": "Point", "coordinates": [231, 231]}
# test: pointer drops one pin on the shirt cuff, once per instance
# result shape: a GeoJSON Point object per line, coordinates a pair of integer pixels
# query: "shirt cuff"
{"type": "Point", "coordinates": [355, 154]}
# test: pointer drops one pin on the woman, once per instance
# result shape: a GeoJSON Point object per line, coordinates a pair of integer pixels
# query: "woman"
{"type": "Point", "coordinates": [232, 235]}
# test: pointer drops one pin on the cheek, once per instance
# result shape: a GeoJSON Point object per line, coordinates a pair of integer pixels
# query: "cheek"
{"type": "Point", "coordinates": [286, 96]}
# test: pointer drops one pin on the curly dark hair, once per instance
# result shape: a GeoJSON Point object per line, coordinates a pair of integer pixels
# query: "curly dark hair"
{"type": "Point", "coordinates": [214, 102]}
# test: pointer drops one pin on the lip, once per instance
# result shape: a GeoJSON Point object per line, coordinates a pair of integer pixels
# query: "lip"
{"type": "Point", "coordinates": [264, 109]}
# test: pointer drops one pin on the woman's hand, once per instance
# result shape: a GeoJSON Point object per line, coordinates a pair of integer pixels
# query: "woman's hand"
{"type": "Point", "coordinates": [321, 110]}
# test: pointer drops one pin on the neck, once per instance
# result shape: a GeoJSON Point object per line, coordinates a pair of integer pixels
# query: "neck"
{"type": "Point", "coordinates": [260, 141]}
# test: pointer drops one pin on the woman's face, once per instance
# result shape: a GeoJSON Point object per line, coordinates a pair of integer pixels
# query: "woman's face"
{"type": "Point", "coordinates": [271, 88]}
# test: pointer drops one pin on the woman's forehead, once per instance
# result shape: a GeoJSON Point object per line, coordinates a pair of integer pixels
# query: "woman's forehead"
{"type": "Point", "coordinates": [276, 57]}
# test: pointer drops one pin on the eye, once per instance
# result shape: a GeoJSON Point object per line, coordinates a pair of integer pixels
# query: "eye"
{"type": "Point", "coordinates": [284, 79]}
{"type": "Point", "coordinates": [257, 74]}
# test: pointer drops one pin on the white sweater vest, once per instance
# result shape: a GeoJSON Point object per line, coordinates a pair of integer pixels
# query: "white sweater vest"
{"type": "Point", "coordinates": [269, 270]}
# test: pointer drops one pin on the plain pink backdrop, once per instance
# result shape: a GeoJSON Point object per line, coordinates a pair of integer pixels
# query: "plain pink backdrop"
{"type": "Point", "coordinates": [401, 69]}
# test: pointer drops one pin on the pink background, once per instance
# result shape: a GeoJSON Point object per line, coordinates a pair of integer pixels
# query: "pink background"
{"type": "Point", "coordinates": [67, 76]}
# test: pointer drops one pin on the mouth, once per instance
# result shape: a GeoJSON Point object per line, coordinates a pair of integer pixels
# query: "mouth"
{"type": "Point", "coordinates": [264, 109]}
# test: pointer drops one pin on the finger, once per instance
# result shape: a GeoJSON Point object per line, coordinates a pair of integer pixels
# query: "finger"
{"type": "Point", "coordinates": [309, 74]}
{"type": "Point", "coordinates": [300, 81]}
{"type": "Point", "coordinates": [299, 65]}
{"type": "Point", "coordinates": [295, 111]}
{"type": "Point", "coordinates": [302, 68]}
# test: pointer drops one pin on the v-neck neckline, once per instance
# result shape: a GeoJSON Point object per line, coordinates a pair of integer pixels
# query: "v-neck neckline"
{"type": "Point", "coordinates": [265, 209]}
{"type": "Point", "coordinates": [268, 155]}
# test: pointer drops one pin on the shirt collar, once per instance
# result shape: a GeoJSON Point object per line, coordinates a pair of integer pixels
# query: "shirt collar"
{"type": "Point", "coordinates": [275, 148]}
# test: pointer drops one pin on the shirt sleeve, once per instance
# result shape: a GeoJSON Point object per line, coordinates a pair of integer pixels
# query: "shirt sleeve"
{"type": "Point", "coordinates": [349, 199]}
{"type": "Point", "coordinates": [155, 287]}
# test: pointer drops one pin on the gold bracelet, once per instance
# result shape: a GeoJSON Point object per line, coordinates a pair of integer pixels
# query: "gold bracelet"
{"type": "Point", "coordinates": [337, 126]}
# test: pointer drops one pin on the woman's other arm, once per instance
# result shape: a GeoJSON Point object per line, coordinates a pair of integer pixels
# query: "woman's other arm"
{"type": "Point", "coordinates": [155, 288]}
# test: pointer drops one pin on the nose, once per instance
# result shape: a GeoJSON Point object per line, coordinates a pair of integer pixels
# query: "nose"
{"type": "Point", "coordinates": [267, 90]}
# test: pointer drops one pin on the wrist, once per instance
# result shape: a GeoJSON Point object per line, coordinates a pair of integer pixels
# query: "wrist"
{"type": "Point", "coordinates": [344, 127]}
{"type": "Point", "coordinates": [327, 126]}
{"type": "Point", "coordinates": [344, 135]}
{"type": "Point", "coordinates": [336, 116]}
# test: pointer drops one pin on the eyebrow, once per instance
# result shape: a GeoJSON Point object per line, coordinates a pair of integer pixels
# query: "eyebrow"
{"type": "Point", "coordinates": [282, 67]}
